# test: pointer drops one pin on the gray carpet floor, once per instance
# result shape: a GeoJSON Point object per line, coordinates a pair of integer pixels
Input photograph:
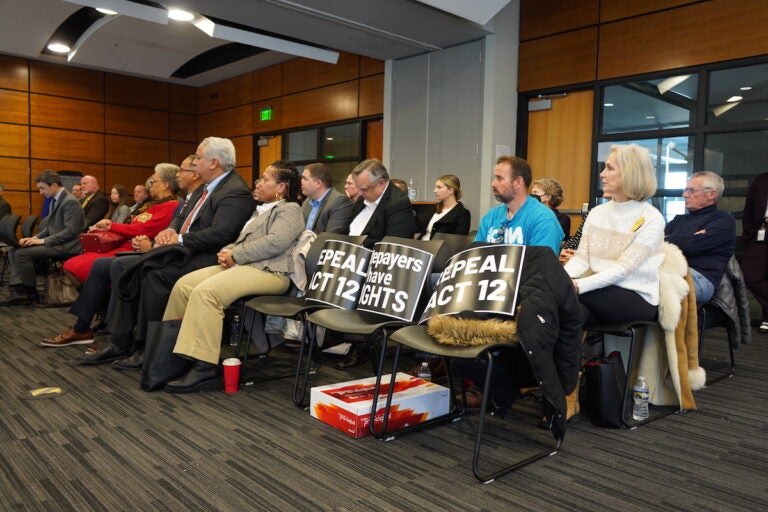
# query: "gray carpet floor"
{"type": "Point", "coordinates": [106, 445]}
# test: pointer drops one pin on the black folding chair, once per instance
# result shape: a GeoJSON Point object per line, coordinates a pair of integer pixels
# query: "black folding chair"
{"type": "Point", "coordinates": [297, 308]}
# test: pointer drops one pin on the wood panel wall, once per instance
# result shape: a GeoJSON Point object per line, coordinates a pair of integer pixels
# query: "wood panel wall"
{"type": "Point", "coordinates": [300, 92]}
{"type": "Point", "coordinates": [65, 118]}
{"type": "Point", "coordinates": [568, 43]}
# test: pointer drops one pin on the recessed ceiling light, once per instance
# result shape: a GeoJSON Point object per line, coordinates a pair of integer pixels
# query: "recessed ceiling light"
{"type": "Point", "coordinates": [745, 88]}
{"type": "Point", "coordinates": [329, 138]}
{"type": "Point", "coordinates": [607, 104]}
{"type": "Point", "coordinates": [180, 15]}
{"type": "Point", "coordinates": [58, 47]}
{"type": "Point", "coordinates": [650, 117]}
{"type": "Point", "coordinates": [108, 12]}
{"type": "Point", "coordinates": [734, 98]}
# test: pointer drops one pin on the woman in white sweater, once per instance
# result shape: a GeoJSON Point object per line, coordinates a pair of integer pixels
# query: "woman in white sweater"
{"type": "Point", "coordinates": [616, 267]}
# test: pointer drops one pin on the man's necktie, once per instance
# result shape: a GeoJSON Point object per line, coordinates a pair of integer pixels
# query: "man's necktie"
{"type": "Point", "coordinates": [191, 214]}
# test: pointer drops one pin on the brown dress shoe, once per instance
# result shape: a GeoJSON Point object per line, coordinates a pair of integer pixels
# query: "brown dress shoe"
{"type": "Point", "coordinates": [68, 337]}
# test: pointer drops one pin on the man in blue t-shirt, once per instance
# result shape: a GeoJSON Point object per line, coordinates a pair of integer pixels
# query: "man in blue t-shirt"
{"type": "Point", "coordinates": [520, 219]}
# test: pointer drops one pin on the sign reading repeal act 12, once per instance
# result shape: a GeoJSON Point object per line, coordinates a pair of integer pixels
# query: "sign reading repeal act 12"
{"type": "Point", "coordinates": [341, 271]}
{"type": "Point", "coordinates": [483, 279]}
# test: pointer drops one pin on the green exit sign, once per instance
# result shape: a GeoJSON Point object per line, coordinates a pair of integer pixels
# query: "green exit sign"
{"type": "Point", "coordinates": [265, 114]}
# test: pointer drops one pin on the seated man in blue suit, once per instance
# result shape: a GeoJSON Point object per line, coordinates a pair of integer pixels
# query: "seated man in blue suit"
{"type": "Point", "coordinates": [59, 237]}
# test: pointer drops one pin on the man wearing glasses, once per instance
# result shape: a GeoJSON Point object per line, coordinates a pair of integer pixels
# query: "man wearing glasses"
{"type": "Point", "coordinates": [705, 235]}
{"type": "Point", "coordinates": [382, 209]}
{"type": "Point", "coordinates": [215, 220]}
{"type": "Point", "coordinates": [520, 219]}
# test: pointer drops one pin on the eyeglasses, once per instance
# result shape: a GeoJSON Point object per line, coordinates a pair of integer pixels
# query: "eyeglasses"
{"type": "Point", "coordinates": [690, 190]}
{"type": "Point", "coordinates": [187, 170]}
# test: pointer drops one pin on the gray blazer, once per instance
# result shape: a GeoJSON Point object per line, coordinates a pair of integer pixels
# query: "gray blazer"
{"type": "Point", "coordinates": [266, 242]}
{"type": "Point", "coordinates": [61, 229]}
{"type": "Point", "coordinates": [334, 216]}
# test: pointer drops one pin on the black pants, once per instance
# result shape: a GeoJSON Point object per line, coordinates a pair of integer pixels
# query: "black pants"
{"type": "Point", "coordinates": [615, 305]}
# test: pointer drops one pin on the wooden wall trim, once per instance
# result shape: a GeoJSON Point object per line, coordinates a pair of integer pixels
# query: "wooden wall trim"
{"type": "Point", "coordinates": [612, 10]}
{"type": "Point", "coordinates": [539, 19]}
{"type": "Point", "coordinates": [558, 60]}
{"type": "Point", "coordinates": [691, 35]}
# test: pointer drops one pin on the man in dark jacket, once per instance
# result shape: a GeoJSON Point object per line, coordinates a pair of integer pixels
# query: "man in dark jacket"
{"type": "Point", "coordinates": [705, 235]}
{"type": "Point", "coordinates": [382, 209]}
{"type": "Point", "coordinates": [215, 220]}
{"type": "Point", "coordinates": [95, 204]}
{"type": "Point", "coordinates": [754, 263]}
{"type": "Point", "coordinates": [58, 237]}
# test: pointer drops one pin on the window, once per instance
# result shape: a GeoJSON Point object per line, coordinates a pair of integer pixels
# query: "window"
{"type": "Point", "coordinates": [713, 118]}
{"type": "Point", "coordinates": [338, 145]}
{"type": "Point", "coordinates": [738, 95]}
{"type": "Point", "coordinates": [650, 105]}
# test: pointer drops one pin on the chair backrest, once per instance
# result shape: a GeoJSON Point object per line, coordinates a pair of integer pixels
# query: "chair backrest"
{"type": "Point", "coordinates": [8, 226]}
{"type": "Point", "coordinates": [28, 226]}
{"type": "Point", "coordinates": [452, 244]}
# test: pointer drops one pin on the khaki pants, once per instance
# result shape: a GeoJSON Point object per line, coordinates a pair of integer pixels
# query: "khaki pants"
{"type": "Point", "coordinates": [200, 298]}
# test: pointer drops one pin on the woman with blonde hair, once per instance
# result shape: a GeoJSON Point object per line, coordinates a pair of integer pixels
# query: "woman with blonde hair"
{"type": "Point", "coordinates": [449, 215]}
{"type": "Point", "coordinates": [550, 193]}
{"type": "Point", "coordinates": [615, 270]}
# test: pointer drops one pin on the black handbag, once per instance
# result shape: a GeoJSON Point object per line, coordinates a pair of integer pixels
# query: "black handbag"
{"type": "Point", "coordinates": [160, 363]}
{"type": "Point", "coordinates": [605, 379]}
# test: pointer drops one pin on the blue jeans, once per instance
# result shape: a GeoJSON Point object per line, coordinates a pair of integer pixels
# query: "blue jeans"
{"type": "Point", "coordinates": [702, 286]}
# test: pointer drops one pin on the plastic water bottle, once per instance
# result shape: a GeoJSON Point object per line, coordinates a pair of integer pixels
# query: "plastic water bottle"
{"type": "Point", "coordinates": [413, 191]}
{"type": "Point", "coordinates": [234, 330]}
{"type": "Point", "coordinates": [424, 372]}
{"type": "Point", "coordinates": [640, 395]}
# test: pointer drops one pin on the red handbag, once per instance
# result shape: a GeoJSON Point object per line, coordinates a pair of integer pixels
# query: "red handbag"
{"type": "Point", "coordinates": [101, 241]}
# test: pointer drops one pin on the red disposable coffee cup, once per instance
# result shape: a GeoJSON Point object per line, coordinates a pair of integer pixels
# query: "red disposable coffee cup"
{"type": "Point", "coordinates": [231, 374]}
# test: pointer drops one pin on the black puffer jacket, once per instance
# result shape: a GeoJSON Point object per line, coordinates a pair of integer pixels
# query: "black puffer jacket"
{"type": "Point", "coordinates": [549, 325]}
{"type": "Point", "coordinates": [731, 298]}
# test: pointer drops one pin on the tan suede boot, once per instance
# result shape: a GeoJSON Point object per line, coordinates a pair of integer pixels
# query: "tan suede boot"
{"type": "Point", "coordinates": [572, 404]}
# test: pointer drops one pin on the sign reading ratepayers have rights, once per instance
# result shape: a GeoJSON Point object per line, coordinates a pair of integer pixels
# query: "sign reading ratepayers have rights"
{"type": "Point", "coordinates": [396, 276]}
{"type": "Point", "coordinates": [482, 279]}
{"type": "Point", "coordinates": [340, 273]}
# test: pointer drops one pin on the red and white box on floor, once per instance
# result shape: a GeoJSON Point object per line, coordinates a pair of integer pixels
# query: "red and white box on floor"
{"type": "Point", "coordinates": [347, 405]}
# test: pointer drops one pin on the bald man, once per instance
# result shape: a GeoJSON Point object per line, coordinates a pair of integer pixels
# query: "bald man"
{"type": "Point", "coordinates": [95, 204]}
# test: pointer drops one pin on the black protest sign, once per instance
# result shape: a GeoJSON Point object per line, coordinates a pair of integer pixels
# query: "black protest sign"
{"type": "Point", "coordinates": [340, 274]}
{"type": "Point", "coordinates": [483, 279]}
{"type": "Point", "coordinates": [396, 276]}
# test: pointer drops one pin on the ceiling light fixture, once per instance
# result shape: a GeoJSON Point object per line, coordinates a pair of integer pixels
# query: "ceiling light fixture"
{"type": "Point", "coordinates": [128, 8]}
{"type": "Point", "coordinates": [734, 98]}
{"type": "Point", "coordinates": [96, 25]}
{"type": "Point", "coordinates": [58, 47]}
{"type": "Point", "coordinates": [725, 107]}
{"type": "Point", "coordinates": [650, 117]}
{"type": "Point", "coordinates": [671, 82]}
{"type": "Point", "coordinates": [745, 88]}
{"type": "Point", "coordinates": [607, 104]}
{"type": "Point", "coordinates": [180, 15]}
{"type": "Point", "coordinates": [237, 35]}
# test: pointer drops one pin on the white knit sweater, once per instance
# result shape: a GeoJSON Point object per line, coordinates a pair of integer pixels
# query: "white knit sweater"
{"type": "Point", "coordinates": [620, 245]}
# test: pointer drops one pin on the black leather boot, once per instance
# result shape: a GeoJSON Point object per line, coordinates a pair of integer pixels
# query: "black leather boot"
{"type": "Point", "coordinates": [201, 377]}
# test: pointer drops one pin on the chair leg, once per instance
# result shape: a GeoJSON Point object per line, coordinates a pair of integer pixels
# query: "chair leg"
{"type": "Point", "coordinates": [488, 478]}
{"type": "Point", "coordinates": [301, 379]}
